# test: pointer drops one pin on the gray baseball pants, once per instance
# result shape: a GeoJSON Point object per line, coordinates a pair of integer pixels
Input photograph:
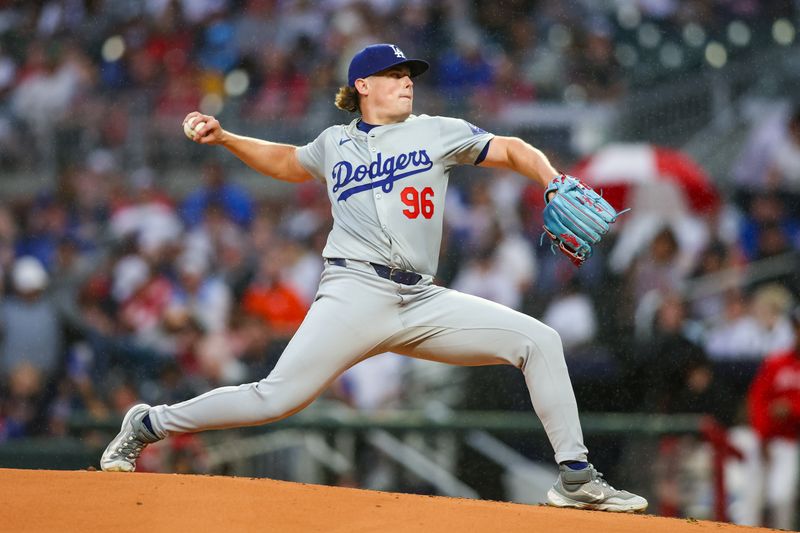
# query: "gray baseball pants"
{"type": "Point", "coordinates": [357, 314]}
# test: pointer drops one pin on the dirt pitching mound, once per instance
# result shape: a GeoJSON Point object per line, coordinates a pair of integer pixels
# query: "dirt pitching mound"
{"type": "Point", "coordinates": [48, 500]}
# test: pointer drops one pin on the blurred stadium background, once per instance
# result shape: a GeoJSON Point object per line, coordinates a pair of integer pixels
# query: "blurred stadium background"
{"type": "Point", "coordinates": [136, 265]}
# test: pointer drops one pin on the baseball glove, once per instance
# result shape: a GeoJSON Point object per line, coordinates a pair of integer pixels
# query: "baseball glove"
{"type": "Point", "coordinates": [576, 217]}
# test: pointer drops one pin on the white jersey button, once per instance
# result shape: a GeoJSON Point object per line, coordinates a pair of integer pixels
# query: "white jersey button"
{"type": "Point", "coordinates": [378, 196]}
{"type": "Point", "coordinates": [383, 226]}
{"type": "Point", "coordinates": [373, 148]}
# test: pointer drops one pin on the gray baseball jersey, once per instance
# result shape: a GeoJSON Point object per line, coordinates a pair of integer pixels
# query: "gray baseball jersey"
{"type": "Point", "coordinates": [387, 189]}
{"type": "Point", "coordinates": [387, 186]}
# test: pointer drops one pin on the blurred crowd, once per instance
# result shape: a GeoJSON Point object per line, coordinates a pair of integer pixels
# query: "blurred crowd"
{"type": "Point", "coordinates": [113, 289]}
{"type": "Point", "coordinates": [76, 75]}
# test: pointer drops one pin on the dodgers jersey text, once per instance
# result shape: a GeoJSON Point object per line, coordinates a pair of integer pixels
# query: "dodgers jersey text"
{"type": "Point", "coordinates": [387, 186]}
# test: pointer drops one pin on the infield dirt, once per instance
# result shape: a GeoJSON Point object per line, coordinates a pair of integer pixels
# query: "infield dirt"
{"type": "Point", "coordinates": [58, 501]}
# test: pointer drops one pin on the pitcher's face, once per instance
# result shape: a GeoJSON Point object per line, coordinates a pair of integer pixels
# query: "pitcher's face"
{"type": "Point", "coordinates": [390, 93]}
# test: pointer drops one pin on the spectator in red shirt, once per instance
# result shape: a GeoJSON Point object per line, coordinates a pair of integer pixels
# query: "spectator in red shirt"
{"type": "Point", "coordinates": [284, 90]}
{"type": "Point", "coordinates": [774, 408]}
{"type": "Point", "coordinates": [271, 298]}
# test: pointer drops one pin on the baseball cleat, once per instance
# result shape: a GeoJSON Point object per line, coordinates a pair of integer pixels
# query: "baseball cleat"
{"type": "Point", "coordinates": [122, 452]}
{"type": "Point", "coordinates": [586, 489]}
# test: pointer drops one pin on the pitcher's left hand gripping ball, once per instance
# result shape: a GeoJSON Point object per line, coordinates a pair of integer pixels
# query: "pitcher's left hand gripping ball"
{"type": "Point", "coordinates": [576, 217]}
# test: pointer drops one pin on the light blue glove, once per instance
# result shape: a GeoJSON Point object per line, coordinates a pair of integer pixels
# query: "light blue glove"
{"type": "Point", "coordinates": [576, 217]}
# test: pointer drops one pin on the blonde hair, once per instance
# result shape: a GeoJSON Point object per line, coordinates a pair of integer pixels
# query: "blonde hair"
{"type": "Point", "coordinates": [774, 297]}
{"type": "Point", "coordinates": [347, 99]}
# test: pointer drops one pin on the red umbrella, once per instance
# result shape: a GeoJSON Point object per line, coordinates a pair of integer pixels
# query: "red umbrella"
{"type": "Point", "coordinates": [617, 168]}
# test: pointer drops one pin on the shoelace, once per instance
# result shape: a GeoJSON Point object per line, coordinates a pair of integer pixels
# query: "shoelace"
{"type": "Point", "coordinates": [598, 478]}
{"type": "Point", "coordinates": [131, 447]}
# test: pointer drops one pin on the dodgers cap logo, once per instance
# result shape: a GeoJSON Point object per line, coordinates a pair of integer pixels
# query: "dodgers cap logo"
{"type": "Point", "coordinates": [378, 57]}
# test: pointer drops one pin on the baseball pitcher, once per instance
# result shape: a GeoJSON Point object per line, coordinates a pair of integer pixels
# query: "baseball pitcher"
{"type": "Point", "coordinates": [386, 175]}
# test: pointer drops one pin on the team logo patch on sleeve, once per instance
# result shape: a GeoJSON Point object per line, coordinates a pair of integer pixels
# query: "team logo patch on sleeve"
{"type": "Point", "coordinates": [475, 129]}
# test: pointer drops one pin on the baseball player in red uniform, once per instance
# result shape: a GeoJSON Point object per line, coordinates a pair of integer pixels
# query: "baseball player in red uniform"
{"type": "Point", "coordinates": [386, 175]}
{"type": "Point", "coordinates": [774, 408]}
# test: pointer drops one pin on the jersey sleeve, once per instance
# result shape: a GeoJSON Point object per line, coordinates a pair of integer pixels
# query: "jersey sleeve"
{"type": "Point", "coordinates": [462, 142]}
{"type": "Point", "coordinates": [312, 156]}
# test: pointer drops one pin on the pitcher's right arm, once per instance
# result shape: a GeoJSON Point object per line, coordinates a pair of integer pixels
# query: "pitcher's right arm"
{"type": "Point", "coordinates": [275, 160]}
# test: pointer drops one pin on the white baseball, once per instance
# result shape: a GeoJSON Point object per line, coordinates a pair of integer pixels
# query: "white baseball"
{"type": "Point", "coordinates": [189, 131]}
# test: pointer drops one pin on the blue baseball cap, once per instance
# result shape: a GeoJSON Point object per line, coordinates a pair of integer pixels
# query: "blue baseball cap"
{"type": "Point", "coordinates": [378, 57]}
